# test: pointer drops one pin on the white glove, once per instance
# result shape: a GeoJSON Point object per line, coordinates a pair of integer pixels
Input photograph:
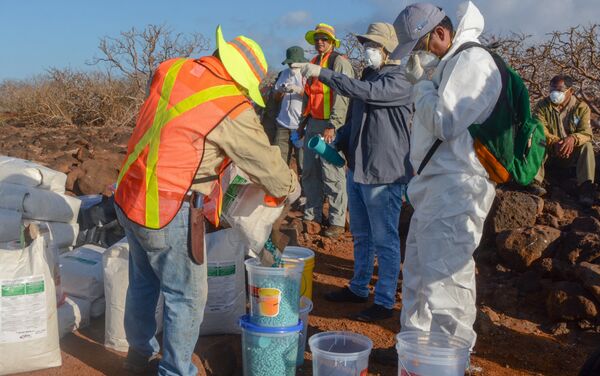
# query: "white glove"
{"type": "Point", "coordinates": [308, 70]}
{"type": "Point", "coordinates": [414, 70]}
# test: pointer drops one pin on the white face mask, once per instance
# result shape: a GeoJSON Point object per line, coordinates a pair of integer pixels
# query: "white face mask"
{"type": "Point", "coordinates": [428, 59]}
{"type": "Point", "coordinates": [557, 96]}
{"type": "Point", "coordinates": [374, 57]}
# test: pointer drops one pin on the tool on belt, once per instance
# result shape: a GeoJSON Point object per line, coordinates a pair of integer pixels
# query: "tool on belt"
{"type": "Point", "coordinates": [196, 229]}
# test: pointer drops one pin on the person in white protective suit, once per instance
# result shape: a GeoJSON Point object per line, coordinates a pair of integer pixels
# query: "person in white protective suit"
{"type": "Point", "coordinates": [453, 194]}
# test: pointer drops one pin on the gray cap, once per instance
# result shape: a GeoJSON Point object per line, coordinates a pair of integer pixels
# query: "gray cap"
{"type": "Point", "coordinates": [382, 33]}
{"type": "Point", "coordinates": [415, 21]}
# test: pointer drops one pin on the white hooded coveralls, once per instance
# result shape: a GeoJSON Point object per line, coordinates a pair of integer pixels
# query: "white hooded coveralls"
{"type": "Point", "coordinates": [453, 194]}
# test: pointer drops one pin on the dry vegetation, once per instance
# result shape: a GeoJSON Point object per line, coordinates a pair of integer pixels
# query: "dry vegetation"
{"type": "Point", "coordinates": [112, 94]}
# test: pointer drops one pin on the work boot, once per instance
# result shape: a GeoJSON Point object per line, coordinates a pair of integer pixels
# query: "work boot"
{"type": "Point", "coordinates": [334, 231]}
{"type": "Point", "coordinates": [374, 313]}
{"type": "Point", "coordinates": [536, 189]}
{"type": "Point", "coordinates": [345, 295]}
{"type": "Point", "coordinates": [587, 193]}
{"type": "Point", "coordinates": [139, 364]}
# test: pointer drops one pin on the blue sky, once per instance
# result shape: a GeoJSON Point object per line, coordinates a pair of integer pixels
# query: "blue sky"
{"type": "Point", "coordinates": [39, 34]}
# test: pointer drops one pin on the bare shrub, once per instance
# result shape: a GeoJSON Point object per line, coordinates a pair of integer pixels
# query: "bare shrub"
{"type": "Point", "coordinates": [575, 52]}
{"type": "Point", "coordinates": [65, 96]}
{"type": "Point", "coordinates": [135, 54]}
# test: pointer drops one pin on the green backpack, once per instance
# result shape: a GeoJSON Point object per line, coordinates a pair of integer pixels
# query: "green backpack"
{"type": "Point", "coordinates": [510, 144]}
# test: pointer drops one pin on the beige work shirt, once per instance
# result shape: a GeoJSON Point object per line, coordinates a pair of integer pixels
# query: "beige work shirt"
{"type": "Point", "coordinates": [244, 141]}
{"type": "Point", "coordinates": [559, 122]}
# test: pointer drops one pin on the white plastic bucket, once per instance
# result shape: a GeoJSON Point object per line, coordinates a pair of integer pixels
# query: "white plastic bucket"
{"type": "Point", "coordinates": [268, 351]}
{"type": "Point", "coordinates": [431, 354]}
{"type": "Point", "coordinates": [308, 257]}
{"type": "Point", "coordinates": [306, 306]}
{"type": "Point", "coordinates": [340, 354]}
{"type": "Point", "coordinates": [274, 293]}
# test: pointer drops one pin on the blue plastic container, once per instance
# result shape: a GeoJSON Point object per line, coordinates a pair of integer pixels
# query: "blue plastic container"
{"type": "Point", "coordinates": [269, 351]}
{"type": "Point", "coordinates": [325, 150]}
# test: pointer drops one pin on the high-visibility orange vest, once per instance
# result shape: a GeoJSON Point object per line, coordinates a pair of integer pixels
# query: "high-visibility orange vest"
{"type": "Point", "coordinates": [188, 99]}
{"type": "Point", "coordinates": [320, 96]}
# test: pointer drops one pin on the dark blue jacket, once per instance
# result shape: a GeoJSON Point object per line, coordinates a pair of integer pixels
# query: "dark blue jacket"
{"type": "Point", "coordinates": [375, 137]}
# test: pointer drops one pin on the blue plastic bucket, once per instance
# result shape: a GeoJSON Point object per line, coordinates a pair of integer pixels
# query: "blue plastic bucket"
{"type": "Point", "coordinates": [269, 351]}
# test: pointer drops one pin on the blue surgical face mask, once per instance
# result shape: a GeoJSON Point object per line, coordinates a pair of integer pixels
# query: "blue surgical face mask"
{"type": "Point", "coordinates": [557, 96]}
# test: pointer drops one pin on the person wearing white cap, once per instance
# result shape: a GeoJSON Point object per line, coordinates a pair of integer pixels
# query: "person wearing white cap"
{"type": "Point", "coordinates": [452, 193]}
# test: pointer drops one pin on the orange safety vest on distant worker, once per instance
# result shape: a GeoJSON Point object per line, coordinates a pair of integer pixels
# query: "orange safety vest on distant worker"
{"type": "Point", "coordinates": [188, 99]}
{"type": "Point", "coordinates": [320, 96]}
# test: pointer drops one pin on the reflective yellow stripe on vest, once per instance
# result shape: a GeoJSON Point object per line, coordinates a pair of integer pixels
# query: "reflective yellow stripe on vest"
{"type": "Point", "coordinates": [326, 94]}
{"type": "Point", "coordinates": [152, 135]}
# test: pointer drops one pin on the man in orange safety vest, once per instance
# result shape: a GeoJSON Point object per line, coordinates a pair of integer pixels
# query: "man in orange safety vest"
{"type": "Point", "coordinates": [198, 116]}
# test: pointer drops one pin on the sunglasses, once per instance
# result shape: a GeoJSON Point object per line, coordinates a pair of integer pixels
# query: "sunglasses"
{"type": "Point", "coordinates": [321, 38]}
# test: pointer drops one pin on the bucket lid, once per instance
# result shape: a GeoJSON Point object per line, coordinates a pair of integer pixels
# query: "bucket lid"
{"type": "Point", "coordinates": [246, 324]}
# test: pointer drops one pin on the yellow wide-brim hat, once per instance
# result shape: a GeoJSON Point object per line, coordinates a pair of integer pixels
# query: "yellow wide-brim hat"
{"type": "Point", "coordinates": [245, 61]}
{"type": "Point", "coordinates": [322, 28]}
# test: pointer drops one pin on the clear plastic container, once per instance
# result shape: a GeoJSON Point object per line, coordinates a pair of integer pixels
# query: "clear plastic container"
{"type": "Point", "coordinates": [306, 306]}
{"type": "Point", "coordinates": [340, 354]}
{"type": "Point", "coordinates": [274, 293]}
{"type": "Point", "coordinates": [431, 354]}
{"type": "Point", "coordinates": [268, 351]}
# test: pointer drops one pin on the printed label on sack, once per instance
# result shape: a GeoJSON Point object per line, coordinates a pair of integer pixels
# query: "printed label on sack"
{"type": "Point", "coordinates": [23, 314]}
{"type": "Point", "coordinates": [221, 286]}
{"type": "Point", "coordinates": [265, 301]}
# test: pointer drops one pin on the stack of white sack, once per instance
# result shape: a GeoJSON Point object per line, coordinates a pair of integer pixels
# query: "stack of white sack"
{"type": "Point", "coordinates": [28, 330]}
{"type": "Point", "coordinates": [82, 277]}
{"type": "Point", "coordinates": [29, 191]}
{"type": "Point", "coordinates": [73, 314]}
{"type": "Point", "coordinates": [116, 281]}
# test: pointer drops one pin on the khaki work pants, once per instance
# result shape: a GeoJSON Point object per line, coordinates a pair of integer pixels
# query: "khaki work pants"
{"type": "Point", "coordinates": [321, 179]}
{"type": "Point", "coordinates": [582, 158]}
{"type": "Point", "coordinates": [287, 148]}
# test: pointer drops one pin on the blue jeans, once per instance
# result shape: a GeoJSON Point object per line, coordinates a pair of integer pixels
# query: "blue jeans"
{"type": "Point", "coordinates": [159, 262]}
{"type": "Point", "coordinates": [374, 219]}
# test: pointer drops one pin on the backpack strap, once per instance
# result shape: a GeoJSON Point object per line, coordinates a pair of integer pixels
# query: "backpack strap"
{"type": "Point", "coordinates": [501, 100]}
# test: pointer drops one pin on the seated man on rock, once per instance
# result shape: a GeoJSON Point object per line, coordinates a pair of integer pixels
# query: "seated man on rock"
{"type": "Point", "coordinates": [566, 120]}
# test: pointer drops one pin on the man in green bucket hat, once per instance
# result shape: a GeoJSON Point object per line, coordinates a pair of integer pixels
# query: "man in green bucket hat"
{"type": "Point", "coordinates": [289, 89]}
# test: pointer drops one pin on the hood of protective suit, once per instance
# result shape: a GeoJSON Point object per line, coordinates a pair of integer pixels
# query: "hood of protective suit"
{"type": "Point", "coordinates": [470, 26]}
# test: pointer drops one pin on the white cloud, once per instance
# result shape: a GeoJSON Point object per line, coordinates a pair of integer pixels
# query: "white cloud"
{"type": "Point", "coordinates": [295, 18]}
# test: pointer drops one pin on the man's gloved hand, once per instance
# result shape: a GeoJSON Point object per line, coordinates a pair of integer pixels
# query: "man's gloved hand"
{"type": "Point", "coordinates": [414, 70]}
{"type": "Point", "coordinates": [308, 70]}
